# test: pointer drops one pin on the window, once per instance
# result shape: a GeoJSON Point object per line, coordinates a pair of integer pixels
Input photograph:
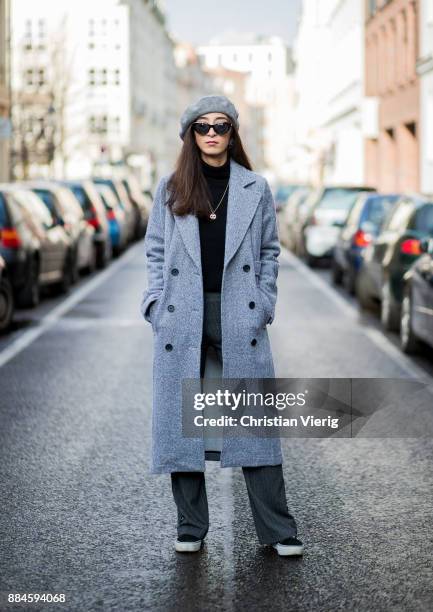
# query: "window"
{"type": "Point", "coordinates": [372, 7]}
{"type": "Point", "coordinates": [91, 76]}
{"type": "Point", "coordinates": [399, 218]}
{"type": "Point", "coordinates": [424, 219]}
{"type": "Point", "coordinates": [29, 77]}
{"type": "Point", "coordinates": [338, 199]}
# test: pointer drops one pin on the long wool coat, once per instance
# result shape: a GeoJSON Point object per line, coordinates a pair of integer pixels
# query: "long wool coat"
{"type": "Point", "coordinates": [248, 297]}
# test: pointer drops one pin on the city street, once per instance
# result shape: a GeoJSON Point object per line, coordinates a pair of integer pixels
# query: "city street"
{"type": "Point", "coordinates": [82, 516]}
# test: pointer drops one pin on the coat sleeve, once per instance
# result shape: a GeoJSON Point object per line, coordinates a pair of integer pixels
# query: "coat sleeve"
{"type": "Point", "coordinates": [154, 250]}
{"type": "Point", "coordinates": [269, 253]}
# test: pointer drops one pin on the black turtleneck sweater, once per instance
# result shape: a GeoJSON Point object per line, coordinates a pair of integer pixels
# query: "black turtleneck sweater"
{"type": "Point", "coordinates": [212, 233]}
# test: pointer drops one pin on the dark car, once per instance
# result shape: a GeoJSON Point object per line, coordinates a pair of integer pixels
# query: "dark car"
{"type": "Point", "coordinates": [65, 208]}
{"type": "Point", "coordinates": [95, 214]}
{"type": "Point", "coordinates": [123, 200]}
{"type": "Point", "coordinates": [325, 213]}
{"type": "Point", "coordinates": [388, 258]}
{"type": "Point", "coordinates": [6, 296]}
{"type": "Point", "coordinates": [141, 204]}
{"type": "Point", "coordinates": [416, 322]}
{"type": "Point", "coordinates": [36, 247]}
{"type": "Point", "coordinates": [362, 227]}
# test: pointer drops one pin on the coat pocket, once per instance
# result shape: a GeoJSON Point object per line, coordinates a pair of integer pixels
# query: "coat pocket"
{"type": "Point", "coordinates": [155, 308]}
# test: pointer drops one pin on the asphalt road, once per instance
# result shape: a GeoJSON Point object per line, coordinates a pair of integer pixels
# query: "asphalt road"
{"type": "Point", "coordinates": [80, 514]}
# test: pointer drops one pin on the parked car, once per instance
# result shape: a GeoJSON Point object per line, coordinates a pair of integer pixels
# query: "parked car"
{"type": "Point", "coordinates": [116, 218]}
{"type": "Point", "coordinates": [362, 227]}
{"type": "Point", "coordinates": [326, 213]}
{"type": "Point", "coordinates": [290, 216]}
{"type": "Point", "coordinates": [124, 202]}
{"type": "Point", "coordinates": [142, 204]}
{"type": "Point", "coordinates": [95, 214]}
{"type": "Point", "coordinates": [416, 322]}
{"type": "Point", "coordinates": [388, 258]}
{"type": "Point", "coordinates": [6, 296]}
{"type": "Point", "coordinates": [35, 246]}
{"type": "Point", "coordinates": [67, 211]}
{"type": "Point", "coordinates": [282, 193]}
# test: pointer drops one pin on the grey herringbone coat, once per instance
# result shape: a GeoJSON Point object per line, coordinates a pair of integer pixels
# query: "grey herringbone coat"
{"type": "Point", "coordinates": [248, 297]}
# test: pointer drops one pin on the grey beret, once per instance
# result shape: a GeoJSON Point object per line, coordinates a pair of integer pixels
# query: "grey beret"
{"type": "Point", "coordinates": [208, 104]}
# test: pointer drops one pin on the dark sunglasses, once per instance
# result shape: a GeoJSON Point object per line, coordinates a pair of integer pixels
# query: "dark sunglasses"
{"type": "Point", "coordinates": [203, 128]}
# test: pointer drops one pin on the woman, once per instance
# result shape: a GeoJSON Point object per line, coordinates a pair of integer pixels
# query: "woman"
{"type": "Point", "coordinates": [212, 258]}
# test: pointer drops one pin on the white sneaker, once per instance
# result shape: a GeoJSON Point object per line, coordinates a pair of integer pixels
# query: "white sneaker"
{"type": "Point", "coordinates": [288, 547]}
{"type": "Point", "coordinates": [187, 543]}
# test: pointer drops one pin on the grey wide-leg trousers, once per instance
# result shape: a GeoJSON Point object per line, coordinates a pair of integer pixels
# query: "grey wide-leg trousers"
{"type": "Point", "coordinates": [265, 484]}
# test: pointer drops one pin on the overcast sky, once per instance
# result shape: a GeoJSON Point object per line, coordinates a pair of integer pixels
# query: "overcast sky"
{"type": "Point", "coordinates": [196, 21]}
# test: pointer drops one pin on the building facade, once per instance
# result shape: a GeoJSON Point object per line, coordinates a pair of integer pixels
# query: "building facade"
{"type": "Point", "coordinates": [153, 94]}
{"type": "Point", "coordinates": [425, 72]}
{"type": "Point", "coordinates": [267, 64]}
{"type": "Point", "coordinates": [100, 77]}
{"type": "Point", "coordinates": [5, 102]}
{"type": "Point", "coordinates": [70, 87]}
{"type": "Point", "coordinates": [392, 87]}
{"type": "Point", "coordinates": [329, 84]}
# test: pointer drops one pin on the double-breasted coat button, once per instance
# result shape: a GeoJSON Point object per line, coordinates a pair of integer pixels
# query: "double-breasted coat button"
{"type": "Point", "coordinates": [252, 305]}
{"type": "Point", "coordinates": [170, 308]}
{"type": "Point", "coordinates": [168, 347]}
{"type": "Point", "coordinates": [253, 342]}
{"type": "Point", "coordinates": [175, 271]}
{"type": "Point", "coordinates": [246, 268]}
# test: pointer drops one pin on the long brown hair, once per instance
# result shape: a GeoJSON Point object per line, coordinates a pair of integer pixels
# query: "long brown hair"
{"type": "Point", "coordinates": [187, 185]}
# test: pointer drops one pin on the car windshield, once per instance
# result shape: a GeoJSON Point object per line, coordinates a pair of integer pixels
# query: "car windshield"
{"type": "Point", "coordinates": [48, 198]}
{"type": "Point", "coordinates": [424, 219]}
{"type": "Point", "coordinates": [111, 186]}
{"type": "Point", "coordinates": [81, 195]}
{"type": "Point", "coordinates": [338, 199]}
{"type": "Point", "coordinates": [33, 204]}
{"type": "Point", "coordinates": [378, 208]}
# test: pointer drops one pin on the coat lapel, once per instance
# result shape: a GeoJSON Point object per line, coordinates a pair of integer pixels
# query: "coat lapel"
{"type": "Point", "coordinates": [243, 199]}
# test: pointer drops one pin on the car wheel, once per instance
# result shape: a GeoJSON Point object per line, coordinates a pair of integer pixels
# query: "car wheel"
{"type": "Point", "coordinates": [408, 340]}
{"type": "Point", "coordinates": [389, 314]}
{"type": "Point", "coordinates": [29, 296]}
{"type": "Point", "coordinates": [363, 296]}
{"type": "Point", "coordinates": [336, 273]}
{"type": "Point", "coordinates": [349, 281]}
{"type": "Point", "coordinates": [6, 305]}
{"type": "Point", "coordinates": [91, 267]}
{"type": "Point", "coordinates": [75, 272]}
{"type": "Point", "coordinates": [67, 278]}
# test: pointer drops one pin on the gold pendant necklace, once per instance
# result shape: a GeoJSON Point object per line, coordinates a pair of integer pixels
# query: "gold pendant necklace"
{"type": "Point", "coordinates": [213, 215]}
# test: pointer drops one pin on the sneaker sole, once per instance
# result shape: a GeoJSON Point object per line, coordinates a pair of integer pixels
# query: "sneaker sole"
{"type": "Point", "coordinates": [187, 546]}
{"type": "Point", "coordinates": [288, 550]}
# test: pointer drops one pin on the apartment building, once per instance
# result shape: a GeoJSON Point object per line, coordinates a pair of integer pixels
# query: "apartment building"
{"type": "Point", "coordinates": [392, 149]}
{"type": "Point", "coordinates": [5, 124]}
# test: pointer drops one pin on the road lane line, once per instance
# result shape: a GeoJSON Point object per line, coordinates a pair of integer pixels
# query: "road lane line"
{"type": "Point", "coordinates": [377, 337]}
{"type": "Point", "coordinates": [48, 321]}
